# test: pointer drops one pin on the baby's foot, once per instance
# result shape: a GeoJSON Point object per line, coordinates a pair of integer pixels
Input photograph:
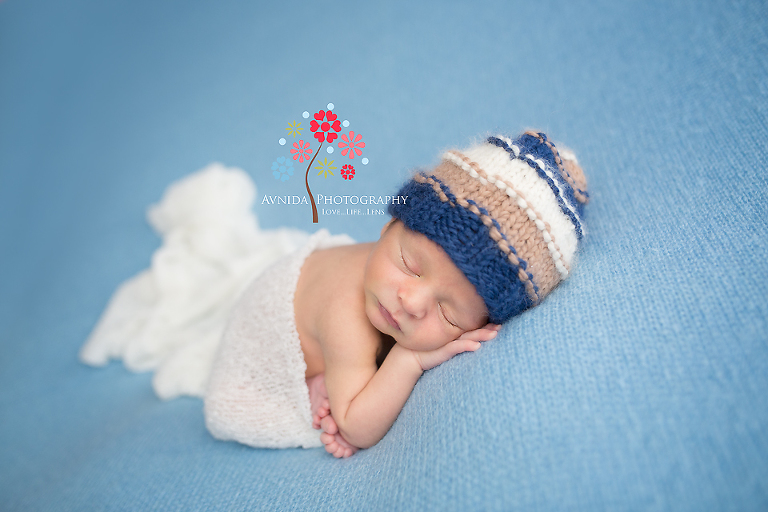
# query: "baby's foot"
{"type": "Point", "coordinates": [334, 443]}
{"type": "Point", "coordinates": [318, 399]}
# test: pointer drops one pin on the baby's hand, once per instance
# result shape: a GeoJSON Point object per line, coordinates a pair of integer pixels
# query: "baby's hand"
{"type": "Point", "coordinates": [334, 443]}
{"type": "Point", "coordinates": [467, 342]}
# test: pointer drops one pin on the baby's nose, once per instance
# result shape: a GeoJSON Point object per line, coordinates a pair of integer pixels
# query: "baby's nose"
{"type": "Point", "coordinates": [415, 299]}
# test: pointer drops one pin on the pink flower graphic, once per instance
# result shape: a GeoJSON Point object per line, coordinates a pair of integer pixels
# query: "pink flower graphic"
{"type": "Point", "coordinates": [301, 151]}
{"type": "Point", "coordinates": [351, 145]}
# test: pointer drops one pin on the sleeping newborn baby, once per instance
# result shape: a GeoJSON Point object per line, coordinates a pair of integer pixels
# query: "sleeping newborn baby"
{"type": "Point", "coordinates": [336, 336]}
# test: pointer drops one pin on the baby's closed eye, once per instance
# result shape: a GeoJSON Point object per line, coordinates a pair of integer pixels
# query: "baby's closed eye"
{"type": "Point", "coordinates": [409, 266]}
{"type": "Point", "coordinates": [445, 316]}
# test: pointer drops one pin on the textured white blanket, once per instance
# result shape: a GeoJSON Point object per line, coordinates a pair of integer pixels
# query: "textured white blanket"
{"type": "Point", "coordinates": [257, 394]}
{"type": "Point", "coordinates": [170, 317]}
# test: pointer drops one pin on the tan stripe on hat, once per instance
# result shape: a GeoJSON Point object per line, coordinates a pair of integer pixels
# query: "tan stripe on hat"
{"type": "Point", "coordinates": [515, 224]}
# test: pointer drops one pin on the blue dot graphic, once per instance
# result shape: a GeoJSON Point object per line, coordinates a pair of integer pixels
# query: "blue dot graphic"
{"type": "Point", "coordinates": [365, 161]}
{"type": "Point", "coordinates": [282, 142]}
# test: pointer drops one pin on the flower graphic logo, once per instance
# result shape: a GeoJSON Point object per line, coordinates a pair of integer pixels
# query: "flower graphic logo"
{"type": "Point", "coordinates": [351, 145]}
{"type": "Point", "coordinates": [347, 172]}
{"type": "Point", "coordinates": [282, 169]}
{"type": "Point", "coordinates": [322, 125]}
{"type": "Point", "coordinates": [300, 151]}
{"type": "Point", "coordinates": [325, 126]}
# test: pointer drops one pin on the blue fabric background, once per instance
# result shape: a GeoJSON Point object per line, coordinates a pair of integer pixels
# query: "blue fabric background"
{"type": "Point", "coordinates": [639, 384]}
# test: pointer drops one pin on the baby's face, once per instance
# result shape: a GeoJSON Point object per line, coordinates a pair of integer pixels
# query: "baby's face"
{"type": "Point", "coordinates": [415, 293]}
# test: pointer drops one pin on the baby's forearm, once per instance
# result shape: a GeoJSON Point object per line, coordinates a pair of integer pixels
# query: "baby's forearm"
{"type": "Point", "coordinates": [375, 408]}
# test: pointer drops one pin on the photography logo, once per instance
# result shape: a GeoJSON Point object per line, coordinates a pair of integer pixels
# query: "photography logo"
{"type": "Point", "coordinates": [325, 129]}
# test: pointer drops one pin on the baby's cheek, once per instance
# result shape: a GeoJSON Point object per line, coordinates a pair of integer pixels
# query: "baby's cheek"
{"type": "Point", "coordinates": [447, 335]}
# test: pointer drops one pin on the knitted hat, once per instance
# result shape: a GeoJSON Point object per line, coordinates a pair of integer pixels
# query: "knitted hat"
{"type": "Point", "coordinates": [508, 213]}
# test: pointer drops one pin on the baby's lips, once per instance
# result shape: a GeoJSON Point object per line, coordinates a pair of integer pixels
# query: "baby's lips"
{"type": "Point", "coordinates": [388, 317]}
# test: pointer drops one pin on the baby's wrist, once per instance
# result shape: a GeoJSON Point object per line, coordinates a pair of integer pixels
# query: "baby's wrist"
{"type": "Point", "coordinates": [407, 358]}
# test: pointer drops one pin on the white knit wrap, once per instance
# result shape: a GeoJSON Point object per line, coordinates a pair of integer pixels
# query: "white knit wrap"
{"type": "Point", "coordinates": [257, 393]}
{"type": "Point", "coordinates": [170, 318]}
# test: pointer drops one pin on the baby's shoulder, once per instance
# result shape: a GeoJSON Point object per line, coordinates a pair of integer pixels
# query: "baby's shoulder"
{"type": "Point", "coordinates": [330, 305]}
{"type": "Point", "coordinates": [346, 334]}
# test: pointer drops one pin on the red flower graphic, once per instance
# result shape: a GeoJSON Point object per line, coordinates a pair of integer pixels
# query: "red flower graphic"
{"type": "Point", "coordinates": [351, 145]}
{"type": "Point", "coordinates": [348, 172]}
{"type": "Point", "coordinates": [327, 121]}
{"type": "Point", "coordinates": [300, 151]}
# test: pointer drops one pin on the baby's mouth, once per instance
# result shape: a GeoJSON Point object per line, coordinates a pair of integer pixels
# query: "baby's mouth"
{"type": "Point", "coordinates": [389, 318]}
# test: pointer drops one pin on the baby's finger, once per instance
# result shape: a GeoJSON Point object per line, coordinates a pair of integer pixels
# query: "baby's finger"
{"type": "Point", "coordinates": [457, 347]}
{"type": "Point", "coordinates": [329, 425]}
{"type": "Point", "coordinates": [331, 446]}
{"type": "Point", "coordinates": [317, 418]}
{"type": "Point", "coordinates": [479, 335]}
{"type": "Point", "coordinates": [343, 442]}
{"type": "Point", "coordinates": [488, 335]}
{"type": "Point", "coordinates": [466, 346]}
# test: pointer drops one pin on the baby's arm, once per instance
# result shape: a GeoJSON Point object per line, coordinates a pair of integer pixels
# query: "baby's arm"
{"type": "Point", "coordinates": [322, 419]}
{"type": "Point", "coordinates": [365, 403]}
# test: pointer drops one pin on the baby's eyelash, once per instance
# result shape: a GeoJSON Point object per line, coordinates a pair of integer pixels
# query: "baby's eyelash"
{"type": "Point", "coordinates": [405, 264]}
{"type": "Point", "coordinates": [442, 313]}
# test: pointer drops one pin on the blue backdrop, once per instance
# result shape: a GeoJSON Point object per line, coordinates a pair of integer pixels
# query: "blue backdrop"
{"type": "Point", "coordinates": [640, 384]}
